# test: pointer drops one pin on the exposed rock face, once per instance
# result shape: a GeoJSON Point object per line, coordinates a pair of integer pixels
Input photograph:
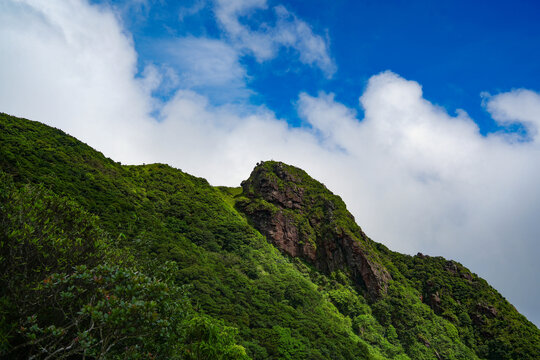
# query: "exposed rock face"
{"type": "Point", "coordinates": [283, 233]}
{"type": "Point", "coordinates": [266, 186]}
{"type": "Point", "coordinates": [432, 298]}
{"type": "Point", "coordinates": [488, 310]}
{"type": "Point", "coordinates": [345, 251]}
{"type": "Point", "coordinates": [453, 269]}
{"type": "Point", "coordinates": [435, 302]}
{"type": "Point", "coordinates": [303, 219]}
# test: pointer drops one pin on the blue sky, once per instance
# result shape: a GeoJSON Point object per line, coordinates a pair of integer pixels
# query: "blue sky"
{"type": "Point", "coordinates": [455, 49]}
{"type": "Point", "coordinates": [424, 116]}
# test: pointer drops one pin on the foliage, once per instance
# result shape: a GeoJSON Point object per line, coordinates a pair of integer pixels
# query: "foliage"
{"type": "Point", "coordinates": [105, 312]}
{"type": "Point", "coordinates": [484, 320]}
{"type": "Point", "coordinates": [77, 227]}
{"type": "Point", "coordinates": [41, 233]}
{"type": "Point", "coordinates": [207, 338]}
{"type": "Point", "coordinates": [58, 302]}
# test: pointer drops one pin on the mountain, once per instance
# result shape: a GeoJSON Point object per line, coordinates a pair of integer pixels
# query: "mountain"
{"type": "Point", "coordinates": [103, 260]}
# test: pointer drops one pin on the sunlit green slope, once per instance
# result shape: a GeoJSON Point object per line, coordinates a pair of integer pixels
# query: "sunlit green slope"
{"type": "Point", "coordinates": [165, 266]}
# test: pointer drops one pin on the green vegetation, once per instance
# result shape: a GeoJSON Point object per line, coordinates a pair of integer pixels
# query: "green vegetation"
{"type": "Point", "coordinates": [62, 297]}
{"type": "Point", "coordinates": [100, 260]}
{"type": "Point", "coordinates": [485, 321]}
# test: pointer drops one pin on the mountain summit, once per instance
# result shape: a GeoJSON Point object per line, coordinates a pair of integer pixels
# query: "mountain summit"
{"type": "Point", "coordinates": [304, 219]}
{"type": "Point", "coordinates": [100, 260]}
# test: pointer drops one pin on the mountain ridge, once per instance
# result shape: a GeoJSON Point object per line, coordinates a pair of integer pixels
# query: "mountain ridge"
{"type": "Point", "coordinates": [328, 277]}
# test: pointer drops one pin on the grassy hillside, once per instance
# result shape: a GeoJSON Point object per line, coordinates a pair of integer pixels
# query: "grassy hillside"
{"type": "Point", "coordinates": [100, 259]}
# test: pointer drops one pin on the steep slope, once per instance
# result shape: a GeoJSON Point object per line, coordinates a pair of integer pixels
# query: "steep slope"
{"type": "Point", "coordinates": [485, 320]}
{"type": "Point", "coordinates": [161, 214]}
{"type": "Point", "coordinates": [302, 218]}
{"type": "Point", "coordinates": [329, 292]}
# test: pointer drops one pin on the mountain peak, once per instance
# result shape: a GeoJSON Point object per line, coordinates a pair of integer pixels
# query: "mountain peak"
{"type": "Point", "coordinates": [301, 217]}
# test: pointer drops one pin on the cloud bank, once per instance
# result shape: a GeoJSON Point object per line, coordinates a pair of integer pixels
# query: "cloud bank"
{"type": "Point", "coordinates": [416, 177]}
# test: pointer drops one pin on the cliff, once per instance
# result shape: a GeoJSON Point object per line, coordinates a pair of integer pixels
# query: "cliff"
{"type": "Point", "coordinates": [304, 219]}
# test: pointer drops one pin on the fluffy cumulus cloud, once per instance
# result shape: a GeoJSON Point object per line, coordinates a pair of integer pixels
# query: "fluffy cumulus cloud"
{"type": "Point", "coordinates": [71, 65]}
{"type": "Point", "coordinates": [416, 177]}
{"type": "Point", "coordinates": [516, 107]}
{"type": "Point", "coordinates": [213, 66]}
{"type": "Point", "coordinates": [265, 41]}
{"type": "Point", "coordinates": [419, 179]}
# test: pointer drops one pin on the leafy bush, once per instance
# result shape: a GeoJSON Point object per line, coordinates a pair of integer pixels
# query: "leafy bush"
{"type": "Point", "coordinates": [206, 338]}
{"type": "Point", "coordinates": [42, 233]}
{"type": "Point", "coordinates": [105, 312]}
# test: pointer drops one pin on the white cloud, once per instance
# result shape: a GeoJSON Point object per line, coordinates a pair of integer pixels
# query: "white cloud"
{"type": "Point", "coordinates": [228, 15]}
{"type": "Point", "coordinates": [517, 106]}
{"type": "Point", "coordinates": [265, 41]}
{"type": "Point", "coordinates": [207, 65]}
{"type": "Point", "coordinates": [416, 178]}
{"type": "Point", "coordinates": [71, 65]}
{"type": "Point", "coordinates": [187, 11]}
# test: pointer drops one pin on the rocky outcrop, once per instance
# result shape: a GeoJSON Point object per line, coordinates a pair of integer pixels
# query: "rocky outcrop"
{"type": "Point", "coordinates": [271, 186]}
{"type": "Point", "coordinates": [435, 302]}
{"type": "Point", "coordinates": [488, 310]}
{"type": "Point", "coordinates": [452, 268]}
{"type": "Point", "coordinates": [282, 231]}
{"type": "Point", "coordinates": [303, 219]}
{"type": "Point", "coordinates": [345, 251]}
